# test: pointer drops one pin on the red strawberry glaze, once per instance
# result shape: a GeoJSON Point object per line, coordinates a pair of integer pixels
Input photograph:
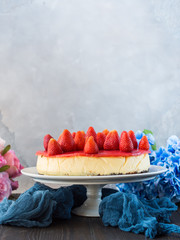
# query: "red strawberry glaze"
{"type": "Point", "coordinates": [101, 153]}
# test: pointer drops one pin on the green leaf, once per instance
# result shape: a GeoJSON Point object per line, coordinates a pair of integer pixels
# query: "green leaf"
{"type": "Point", "coordinates": [4, 168]}
{"type": "Point", "coordinates": [146, 131]}
{"type": "Point", "coordinates": [154, 148]}
{"type": "Point", "coordinates": [6, 149]}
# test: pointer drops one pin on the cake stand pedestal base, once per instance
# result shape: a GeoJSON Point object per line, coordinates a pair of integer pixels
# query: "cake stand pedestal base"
{"type": "Point", "coordinates": [90, 208]}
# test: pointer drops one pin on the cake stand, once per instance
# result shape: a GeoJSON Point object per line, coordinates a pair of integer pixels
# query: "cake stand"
{"type": "Point", "coordinates": [94, 184]}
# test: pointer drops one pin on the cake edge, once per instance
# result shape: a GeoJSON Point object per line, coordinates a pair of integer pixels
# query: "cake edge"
{"type": "Point", "coordinates": [87, 166]}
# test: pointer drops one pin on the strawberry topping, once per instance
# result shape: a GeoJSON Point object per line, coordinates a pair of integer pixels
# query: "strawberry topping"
{"type": "Point", "coordinates": [73, 134]}
{"type": "Point", "coordinates": [112, 141]}
{"type": "Point", "coordinates": [54, 147]}
{"type": "Point", "coordinates": [100, 139]}
{"type": "Point", "coordinates": [91, 132]}
{"type": "Point", "coordinates": [133, 138]}
{"type": "Point", "coordinates": [80, 140]}
{"type": "Point", "coordinates": [66, 141]}
{"type": "Point", "coordinates": [125, 144]}
{"type": "Point", "coordinates": [91, 146]}
{"type": "Point", "coordinates": [46, 141]}
{"type": "Point", "coordinates": [91, 143]}
{"type": "Point", "coordinates": [144, 144]}
{"type": "Point", "coordinates": [105, 131]}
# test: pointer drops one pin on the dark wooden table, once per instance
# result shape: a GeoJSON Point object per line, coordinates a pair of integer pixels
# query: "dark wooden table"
{"type": "Point", "coordinates": [78, 228]}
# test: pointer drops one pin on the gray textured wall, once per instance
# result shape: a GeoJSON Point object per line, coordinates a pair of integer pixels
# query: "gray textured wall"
{"type": "Point", "coordinates": [71, 64]}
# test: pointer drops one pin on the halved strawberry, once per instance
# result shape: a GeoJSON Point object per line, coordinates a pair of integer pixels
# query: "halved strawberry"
{"type": "Point", "coordinates": [66, 141]}
{"type": "Point", "coordinates": [105, 131]}
{"type": "Point", "coordinates": [144, 144]}
{"type": "Point", "coordinates": [91, 132]}
{"type": "Point", "coordinates": [80, 140]}
{"type": "Point", "coordinates": [112, 141]}
{"type": "Point", "coordinates": [54, 147]}
{"type": "Point", "coordinates": [91, 146]}
{"type": "Point", "coordinates": [100, 139]}
{"type": "Point", "coordinates": [125, 144]}
{"type": "Point", "coordinates": [73, 134]}
{"type": "Point", "coordinates": [46, 140]}
{"type": "Point", "coordinates": [133, 138]}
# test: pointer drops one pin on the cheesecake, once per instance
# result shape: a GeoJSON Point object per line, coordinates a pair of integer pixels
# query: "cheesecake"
{"type": "Point", "coordinates": [91, 154]}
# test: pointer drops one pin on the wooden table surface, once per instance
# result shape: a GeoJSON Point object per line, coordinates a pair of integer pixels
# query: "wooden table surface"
{"type": "Point", "coordinates": [78, 228]}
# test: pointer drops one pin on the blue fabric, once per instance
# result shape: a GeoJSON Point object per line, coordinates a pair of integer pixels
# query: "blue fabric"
{"type": "Point", "coordinates": [139, 216]}
{"type": "Point", "coordinates": [39, 205]}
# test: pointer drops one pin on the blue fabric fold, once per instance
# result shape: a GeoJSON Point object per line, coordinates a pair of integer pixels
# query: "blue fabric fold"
{"type": "Point", "coordinates": [38, 206]}
{"type": "Point", "coordinates": [139, 216]}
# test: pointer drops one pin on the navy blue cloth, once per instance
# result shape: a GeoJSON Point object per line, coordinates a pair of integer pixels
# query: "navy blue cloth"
{"type": "Point", "coordinates": [139, 216]}
{"type": "Point", "coordinates": [38, 206]}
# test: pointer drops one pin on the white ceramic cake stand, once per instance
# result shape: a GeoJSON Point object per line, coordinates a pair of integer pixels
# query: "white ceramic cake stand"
{"type": "Point", "coordinates": [94, 184]}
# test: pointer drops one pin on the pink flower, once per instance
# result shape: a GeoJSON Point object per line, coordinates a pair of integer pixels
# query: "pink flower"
{"type": "Point", "coordinates": [2, 161]}
{"type": "Point", "coordinates": [14, 184]}
{"type": "Point", "coordinates": [5, 185]}
{"type": "Point", "coordinates": [13, 162]}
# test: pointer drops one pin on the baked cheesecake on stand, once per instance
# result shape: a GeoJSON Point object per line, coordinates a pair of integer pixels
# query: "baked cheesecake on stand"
{"type": "Point", "coordinates": [93, 160]}
{"type": "Point", "coordinates": [93, 154]}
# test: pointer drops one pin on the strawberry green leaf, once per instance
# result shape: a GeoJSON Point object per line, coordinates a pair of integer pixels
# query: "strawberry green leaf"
{"type": "Point", "coordinates": [5, 150]}
{"type": "Point", "coordinates": [4, 168]}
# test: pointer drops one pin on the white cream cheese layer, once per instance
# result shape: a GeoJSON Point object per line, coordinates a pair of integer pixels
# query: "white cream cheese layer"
{"type": "Point", "coordinates": [90, 166]}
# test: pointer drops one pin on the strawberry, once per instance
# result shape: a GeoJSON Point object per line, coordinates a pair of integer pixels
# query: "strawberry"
{"type": "Point", "coordinates": [73, 134]}
{"type": "Point", "coordinates": [54, 147]}
{"type": "Point", "coordinates": [100, 139]}
{"type": "Point", "coordinates": [46, 140]}
{"type": "Point", "coordinates": [91, 146]}
{"type": "Point", "coordinates": [133, 138]}
{"type": "Point", "coordinates": [91, 132]}
{"type": "Point", "coordinates": [125, 144]}
{"type": "Point", "coordinates": [144, 144]}
{"type": "Point", "coordinates": [112, 141]}
{"type": "Point", "coordinates": [66, 141]}
{"type": "Point", "coordinates": [105, 131]}
{"type": "Point", "coordinates": [59, 138]}
{"type": "Point", "coordinates": [80, 140]}
{"type": "Point", "coordinates": [86, 138]}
